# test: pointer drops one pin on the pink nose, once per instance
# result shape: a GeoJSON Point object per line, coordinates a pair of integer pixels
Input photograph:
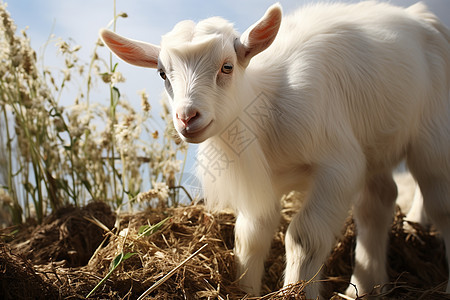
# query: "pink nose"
{"type": "Point", "coordinates": [185, 118]}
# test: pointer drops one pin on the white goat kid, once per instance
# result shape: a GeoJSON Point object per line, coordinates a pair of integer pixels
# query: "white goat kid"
{"type": "Point", "coordinates": [329, 101]}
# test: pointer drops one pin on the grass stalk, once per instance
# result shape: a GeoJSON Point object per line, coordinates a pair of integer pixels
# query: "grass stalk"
{"type": "Point", "coordinates": [168, 275]}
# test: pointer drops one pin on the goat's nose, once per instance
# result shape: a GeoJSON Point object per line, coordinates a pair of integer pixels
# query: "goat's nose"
{"type": "Point", "coordinates": [184, 118]}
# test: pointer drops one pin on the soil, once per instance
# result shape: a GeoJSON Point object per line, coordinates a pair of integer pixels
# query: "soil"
{"type": "Point", "coordinates": [67, 255]}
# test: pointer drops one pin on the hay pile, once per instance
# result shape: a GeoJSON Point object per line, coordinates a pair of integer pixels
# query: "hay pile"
{"type": "Point", "coordinates": [208, 274]}
{"type": "Point", "coordinates": [32, 270]}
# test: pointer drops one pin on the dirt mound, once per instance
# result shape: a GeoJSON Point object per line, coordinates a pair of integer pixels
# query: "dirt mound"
{"type": "Point", "coordinates": [68, 236]}
{"type": "Point", "coordinates": [416, 261]}
{"type": "Point", "coordinates": [19, 280]}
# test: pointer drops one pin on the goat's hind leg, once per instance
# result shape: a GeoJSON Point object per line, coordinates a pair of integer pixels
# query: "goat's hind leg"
{"type": "Point", "coordinates": [417, 212]}
{"type": "Point", "coordinates": [373, 214]}
{"type": "Point", "coordinates": [429, 162]}
{"type": "Point", "coordinates": [436, 193]}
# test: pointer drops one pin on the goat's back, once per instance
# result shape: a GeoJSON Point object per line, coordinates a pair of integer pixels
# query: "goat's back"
{"type": "Point", "coordinates": [376, 71]}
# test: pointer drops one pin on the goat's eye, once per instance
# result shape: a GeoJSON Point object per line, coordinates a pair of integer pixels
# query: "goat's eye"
{"type": "Point", "coordinates": [227, 68]}
{"type": "Point", "coordinates": [162, 74]}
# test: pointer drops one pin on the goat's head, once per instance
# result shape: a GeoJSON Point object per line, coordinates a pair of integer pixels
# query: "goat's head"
{"type": "Point", "coordinates": [200, 64]}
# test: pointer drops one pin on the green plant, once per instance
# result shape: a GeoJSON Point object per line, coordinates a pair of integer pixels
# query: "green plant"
{"type": "Point", "coordinates": [114, 264]}
{"type": "Point", "coordinates": [147, 230]}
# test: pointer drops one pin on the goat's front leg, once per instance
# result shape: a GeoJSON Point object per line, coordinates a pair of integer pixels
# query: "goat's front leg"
{"type": "Point", "coordinates": [313, 231]}
{"type": "Point", "coordinates": [253, 237]}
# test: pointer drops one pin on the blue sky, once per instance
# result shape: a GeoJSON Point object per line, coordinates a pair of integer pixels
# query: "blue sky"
{"type": "Point", "coordinates": [80, 20]}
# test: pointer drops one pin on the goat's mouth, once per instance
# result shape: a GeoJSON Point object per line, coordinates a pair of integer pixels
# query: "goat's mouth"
{"type": "Point", "coordinates": [195, 135]}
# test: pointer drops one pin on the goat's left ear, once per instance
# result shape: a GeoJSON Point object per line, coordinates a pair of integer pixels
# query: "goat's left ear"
{"type": "Point", "coordinates": [133, 52]}
{"type": "Point", "coordinates": [259, 36]}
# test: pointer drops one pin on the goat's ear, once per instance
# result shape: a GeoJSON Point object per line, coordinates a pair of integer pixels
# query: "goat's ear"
{"type": "Point", "coordinates": [259, 36]}
{"type": "Point", "coordinates": [134, 52]}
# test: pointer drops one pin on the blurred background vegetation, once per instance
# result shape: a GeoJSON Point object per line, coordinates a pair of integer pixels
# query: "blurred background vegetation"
{"type": "Point", "coordinates": [52, 155]}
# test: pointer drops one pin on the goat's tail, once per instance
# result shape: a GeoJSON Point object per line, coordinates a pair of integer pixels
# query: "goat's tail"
{"type": "Point", "coordinates": [421, 11]}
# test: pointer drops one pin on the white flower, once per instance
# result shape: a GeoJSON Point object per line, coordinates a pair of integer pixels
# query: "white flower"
{"type": "Point", "coordinates": [144, 100]}
{"type": "Point", "coordinates": [171, 167]}
{"type": "Point", "coordinates": [160, 191]}
{"type": "Point", "coordinates": [62, 45]}
{"type": "Point", "coordinates": [124, 135]}
{"type": "Point", "coordinates": [116, 77]}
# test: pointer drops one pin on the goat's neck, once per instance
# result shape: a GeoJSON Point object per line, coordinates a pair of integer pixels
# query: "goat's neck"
{"type": "Point", "coordinates": [259, 82]}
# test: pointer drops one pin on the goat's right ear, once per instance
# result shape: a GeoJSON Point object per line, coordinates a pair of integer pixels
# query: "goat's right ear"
{"type": "Point", "coordinates": [259, 36]}
{"type": "Point", "coordinates": [134, 52]}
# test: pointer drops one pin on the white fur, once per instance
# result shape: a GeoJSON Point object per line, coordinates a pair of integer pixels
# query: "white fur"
{"type": "Point", "coordinates": [335, 102]}
{"type": "Point", "coordinates": [410, 200]}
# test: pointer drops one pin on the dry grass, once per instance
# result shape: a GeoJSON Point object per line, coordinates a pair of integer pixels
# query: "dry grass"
{"type": "Point", "coordinates": [417, 262]}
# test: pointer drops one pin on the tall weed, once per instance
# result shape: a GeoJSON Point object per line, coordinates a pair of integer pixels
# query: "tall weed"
{"type": "Point", "coordinates": [53, 155]}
